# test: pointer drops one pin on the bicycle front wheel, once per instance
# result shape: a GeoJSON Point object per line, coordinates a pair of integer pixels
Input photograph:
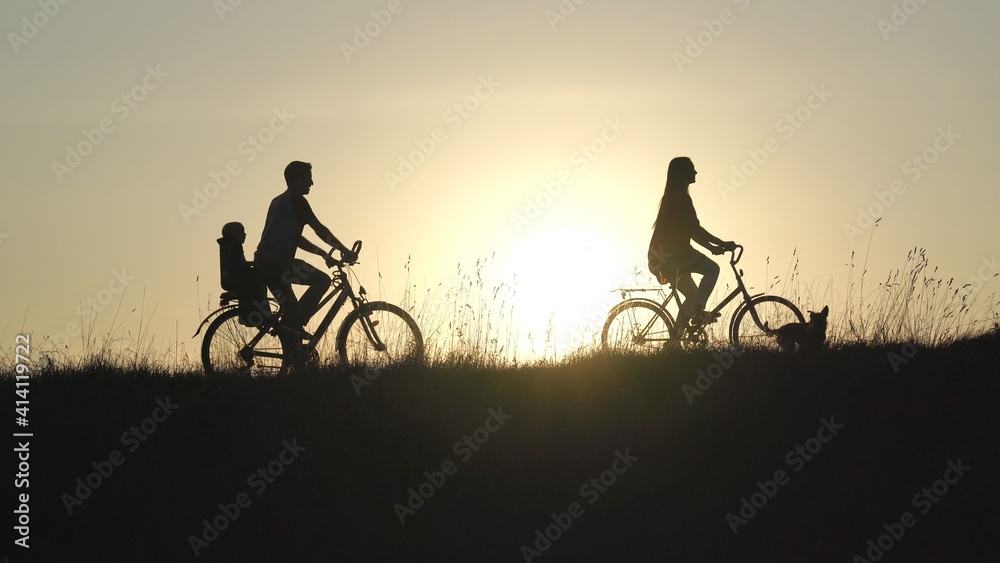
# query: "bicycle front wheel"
{"type": "Point", "coordinates": [379, 334]}
{"type": "Point", "coordinates": [637, 326]}
{"type": "Point", "coordinates": [226, 349]}
{"type": "Point", "coordinates": [773, 310]}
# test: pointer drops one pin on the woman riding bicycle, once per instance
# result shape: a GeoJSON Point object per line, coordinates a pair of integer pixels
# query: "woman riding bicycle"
{"type": "Point", "coordinates": [672, 259]}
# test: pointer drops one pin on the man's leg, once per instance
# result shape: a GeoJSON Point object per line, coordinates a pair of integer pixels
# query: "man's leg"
{"type": "Point", "coordinates": [271, 272]}
{"type": "Point", "coordinates": [303, 273]}
{"type": "Point", "coordinates": [279, 275]}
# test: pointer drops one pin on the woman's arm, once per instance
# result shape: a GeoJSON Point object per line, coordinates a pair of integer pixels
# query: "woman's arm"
{"type": "Point", "coordinates": [712, 242]}
{"type": "Point", "coordinates": [706, 239]}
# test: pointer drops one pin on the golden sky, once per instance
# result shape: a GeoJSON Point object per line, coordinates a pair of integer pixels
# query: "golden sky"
{"type": "Point", "coordinates": [533, 134]}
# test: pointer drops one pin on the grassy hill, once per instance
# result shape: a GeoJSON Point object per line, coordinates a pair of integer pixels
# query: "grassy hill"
{"type": "Point", "coordinates": [833, 448]}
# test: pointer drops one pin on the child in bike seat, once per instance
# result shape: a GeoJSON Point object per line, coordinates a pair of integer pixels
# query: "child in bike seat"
{"type": "Point", "coordinates": [671, 257]}
{"type": "Point", "coordinates": [233, 265]}
{"type": "Point", "coordinates": [237, 274]}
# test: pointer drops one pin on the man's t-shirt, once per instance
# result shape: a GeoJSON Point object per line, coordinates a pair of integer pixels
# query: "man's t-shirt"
{"type": "Point", "coordinates": [287, 215]}
{"type": "Point", "coordinates": [671, 241]}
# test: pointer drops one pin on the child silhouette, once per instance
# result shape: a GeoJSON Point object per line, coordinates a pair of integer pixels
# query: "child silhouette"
{"type": "Point", "coordinates": [237, 274]}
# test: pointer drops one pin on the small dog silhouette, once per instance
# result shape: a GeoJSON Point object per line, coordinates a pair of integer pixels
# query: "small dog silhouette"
{"type": "Point", "coordinates": [802, 336]}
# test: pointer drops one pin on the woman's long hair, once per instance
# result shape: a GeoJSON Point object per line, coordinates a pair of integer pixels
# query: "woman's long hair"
{"type": "Point", "coordinates": [679, 167]}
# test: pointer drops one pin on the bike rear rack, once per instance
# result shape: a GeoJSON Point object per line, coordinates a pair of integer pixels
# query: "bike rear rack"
{"type": "Point", "coordinates": [625, 291]}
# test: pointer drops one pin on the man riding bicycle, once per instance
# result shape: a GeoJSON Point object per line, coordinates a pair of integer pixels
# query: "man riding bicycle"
{"type": "Point", "coordinates": [275, 259]}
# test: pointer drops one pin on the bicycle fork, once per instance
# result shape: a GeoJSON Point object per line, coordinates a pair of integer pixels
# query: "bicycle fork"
{"type": "Point", "coordinates": [367, 323]}
{"type": "Point", "coordinates": [748, 300]}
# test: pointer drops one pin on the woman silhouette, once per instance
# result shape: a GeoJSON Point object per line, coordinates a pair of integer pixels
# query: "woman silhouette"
{"type": "Point", "coordinates": [672, 259]}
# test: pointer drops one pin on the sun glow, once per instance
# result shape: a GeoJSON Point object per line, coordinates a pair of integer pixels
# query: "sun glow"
{"type": "Point", "coordinates": [564, 279]}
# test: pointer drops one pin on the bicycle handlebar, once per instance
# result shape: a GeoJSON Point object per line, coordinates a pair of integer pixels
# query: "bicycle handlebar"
{"type": "Point", "coordinates": [735, 258]}
{"type": "Point", "coordinates": [355, 249]}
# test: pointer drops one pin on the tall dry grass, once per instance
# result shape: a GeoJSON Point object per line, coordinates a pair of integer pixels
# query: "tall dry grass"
{"type": "Point", "coordinates": [466, 323]}
{"type": "Point", "coordinates": [913, 303]}
{"type": "Point", "coordinates": [123, 343]}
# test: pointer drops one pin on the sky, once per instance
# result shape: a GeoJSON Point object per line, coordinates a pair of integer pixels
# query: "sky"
{"type": "Point", "coordinates": [532, 137]}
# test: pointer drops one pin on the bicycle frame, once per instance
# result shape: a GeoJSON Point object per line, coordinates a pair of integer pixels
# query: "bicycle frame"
{"type": "Point", "coordinates": [368, 332]}
{"type": "Point", "coordinates": [740, 289]}
{"type": "Point", "coordinates": [341, 291]}
{"type": "Point", "coordinates": [341, 285]}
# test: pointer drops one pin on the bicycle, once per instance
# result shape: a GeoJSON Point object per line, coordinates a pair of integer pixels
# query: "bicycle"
{"type": "Point", "coordinates": [374, 333]}
{"type": "Point", "coordinates": [639, 324]}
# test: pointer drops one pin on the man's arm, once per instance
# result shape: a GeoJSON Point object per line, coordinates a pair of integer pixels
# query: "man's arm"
{"type": "Point", "coordinates": [304, 244]}
{"type": "Point", "coordinates": [304, 213]}
{"type": "Point", "coordinates": [326, 236]}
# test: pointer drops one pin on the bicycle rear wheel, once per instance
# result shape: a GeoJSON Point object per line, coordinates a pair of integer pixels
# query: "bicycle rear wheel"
{"type": "Point", "coordinates": [771, 309]}
{"type": "Point", "coordinates": [379, 334]}
{"type": "Point", "coordinates": [637, 326]}
{"type": "Point", "coordinates": [225, 349]}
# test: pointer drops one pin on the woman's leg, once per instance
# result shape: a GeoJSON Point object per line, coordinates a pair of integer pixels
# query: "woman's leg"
{"type": "Point", "coordinates": [687, 309]}
{"type": "Point", "coordinates": [709, 271]}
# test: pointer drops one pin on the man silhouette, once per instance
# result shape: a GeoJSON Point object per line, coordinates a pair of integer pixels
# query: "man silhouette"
{"type": "Point", "coordinates": [275, 259]}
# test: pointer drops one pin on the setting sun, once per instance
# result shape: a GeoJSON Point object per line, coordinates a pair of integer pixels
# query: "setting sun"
{"type": "Point", "coordinates": [564, 281]}
{"type": "Point", "coordinates": [389, 261]}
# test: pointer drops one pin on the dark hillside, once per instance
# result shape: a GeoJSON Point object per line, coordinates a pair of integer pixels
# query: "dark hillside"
{"type": "Point", "coordinates": [834, 448]}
